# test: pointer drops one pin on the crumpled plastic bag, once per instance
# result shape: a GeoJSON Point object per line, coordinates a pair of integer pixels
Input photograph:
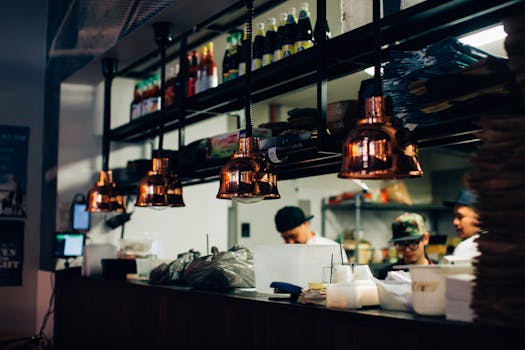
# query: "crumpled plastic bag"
{"type": "Point", "coordinates": [172, 272]}
{"type": "Point", "coordinates": [394, 293]}
{"type": "Point", "coordinates": [222, 270]}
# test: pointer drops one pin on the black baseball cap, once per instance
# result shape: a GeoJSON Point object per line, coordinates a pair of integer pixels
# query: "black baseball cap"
{"type": "Point", "coordinates": [290, 217]}
{"type": "Point", "coordinates": [464, 197]}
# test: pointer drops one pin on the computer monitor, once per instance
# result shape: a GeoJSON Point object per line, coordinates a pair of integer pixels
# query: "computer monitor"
{"type": "Point", "coordinates": [69, 244]}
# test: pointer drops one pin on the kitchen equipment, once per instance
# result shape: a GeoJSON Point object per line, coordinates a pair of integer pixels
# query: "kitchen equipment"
{"type": "Point", "coordinates": [297, 264]}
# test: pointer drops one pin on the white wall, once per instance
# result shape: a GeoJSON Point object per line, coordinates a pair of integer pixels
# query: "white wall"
{"type": "Point", "coordinates": [375, 224]}
{"type": "Point", "coordinates": [172, 230]}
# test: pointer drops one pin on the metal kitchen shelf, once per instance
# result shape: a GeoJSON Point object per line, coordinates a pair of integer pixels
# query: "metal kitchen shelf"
{"type": "Point", "coordinates": [351, 205]}
{"type": "Point", "coordinates": [409, 29]}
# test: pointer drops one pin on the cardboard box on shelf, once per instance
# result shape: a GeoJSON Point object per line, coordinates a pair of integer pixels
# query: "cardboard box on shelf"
{"type": "Point", "coordinates": [224, 145]}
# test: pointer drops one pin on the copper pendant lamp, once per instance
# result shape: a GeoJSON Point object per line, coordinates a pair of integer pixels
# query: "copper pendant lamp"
{"type": "Point", "coordinates": [380, 147]}
{"type": "Point", "coordinates": [105, 196]}
{"type": "Point", "coordinates": [161, 187]}
{"type": "Point", "coordinates": [247, 176]}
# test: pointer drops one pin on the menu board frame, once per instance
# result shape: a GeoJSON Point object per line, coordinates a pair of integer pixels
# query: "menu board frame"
{"type": "Point", "coordinates": [11, 252]}
{"type": "Point", "coordinates": [14, 141]}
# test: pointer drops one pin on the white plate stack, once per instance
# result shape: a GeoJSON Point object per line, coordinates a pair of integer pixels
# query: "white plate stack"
{"type": "Point", "coordinates": [458, 297]}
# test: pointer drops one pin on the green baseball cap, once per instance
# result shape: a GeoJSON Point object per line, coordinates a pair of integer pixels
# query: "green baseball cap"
{"type": "Point", "coordinates": [408, 226]}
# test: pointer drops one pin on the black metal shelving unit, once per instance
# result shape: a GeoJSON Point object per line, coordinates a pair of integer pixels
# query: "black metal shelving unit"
{"type": "Point", "coordinates": [410, 29]}
{"type": "Point", "coordinates": [358, 205]}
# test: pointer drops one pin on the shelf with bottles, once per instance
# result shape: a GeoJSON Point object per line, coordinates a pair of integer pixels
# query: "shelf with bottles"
{"type": "Point", "coordinates": [412, 28]}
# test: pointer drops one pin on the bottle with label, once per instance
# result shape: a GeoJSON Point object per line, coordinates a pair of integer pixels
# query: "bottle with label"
{"type": "Point", "coordinates": [258, 46]}
{"type": "Point", "coordinates": [290, 33]}
{"type": "Point", "coordinates": [136, 104]}
{"type": "Point", "coordinates": [277, 52]}
{"type": "Point", "coordinates": [192, 72]}
{"type": "Point", "coordinates": [244, 56]}
{"type": "Point", "coordinates": [236, 52]}
{"type": "Point", "coordinates": [170, 91]}
{"type": "Point", "coordinates": [211, 67]}
{"type": "Point", "coordinates": [201, 83]}
{"type": "Point", "coordinates": [304, 38]}
{"type": "Point", "coordinates": [227, 59]}
{"type": "Point", "coordinates": [318, 27]}
{"type": "Point", "coordinates": [269, 42]}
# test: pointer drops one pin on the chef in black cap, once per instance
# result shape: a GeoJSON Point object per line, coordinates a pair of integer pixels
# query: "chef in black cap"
{"type": "Point", "coordinates": [466, 222]}
{"type": "Point", "coordinates": [294, 227]}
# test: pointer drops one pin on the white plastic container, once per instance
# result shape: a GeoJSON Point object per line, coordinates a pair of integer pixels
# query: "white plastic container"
{"type": "Point", "coordinates": [428, 286]}
{"type": "Point", "coordinates": [298, 264]}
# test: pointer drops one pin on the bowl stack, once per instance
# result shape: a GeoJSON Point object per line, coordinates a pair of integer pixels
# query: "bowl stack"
{"type": "Point", "coordinates": [500, 185]}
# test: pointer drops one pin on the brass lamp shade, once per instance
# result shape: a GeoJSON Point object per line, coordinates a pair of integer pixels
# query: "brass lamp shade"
{"type": "Point", "coordinates": [246, 177]}
{"type": "Point", "coordinates": [152, 188]}
{"type": "Point", "coordinates": [174, 192]}
{"type": "Point", "coordinates": [379, 148]}
{"type": "Point", "coordinates": [104, 196]}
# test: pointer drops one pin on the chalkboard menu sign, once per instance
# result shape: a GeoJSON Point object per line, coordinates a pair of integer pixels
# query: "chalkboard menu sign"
{"type": "Point", "coordinates": [13, 170]}
{"type": "Point", "coordinates": [11, 252]}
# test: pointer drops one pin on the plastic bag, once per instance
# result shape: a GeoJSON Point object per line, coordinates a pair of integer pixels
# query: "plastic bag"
{"type": "Point", "coordinates": [223, 270]}
{"type": "Point", "coordinates": [172, 272]}
{"type": "Point", "coordinates": [394, 294]}
{"type": "Point", "coordinates": [398, 192]}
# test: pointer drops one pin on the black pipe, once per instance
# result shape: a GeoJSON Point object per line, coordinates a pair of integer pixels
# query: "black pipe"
{"type": "Point", "coordinates": [163, 36]}
{"type": "Point", "coordinates": [322, 86]}
{"type": "Point", "coordinates": [377, 48]}
{"type": "Point", "coordinates": [182, 80]}
{"type": "Point", "coordinates": [109, 70]}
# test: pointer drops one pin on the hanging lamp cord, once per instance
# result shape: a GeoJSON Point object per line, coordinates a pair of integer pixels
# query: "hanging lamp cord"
{"type": "Point", "coordinates": [377, 48]}
{"type": "Point", "coordinates": [109, 70]}
{"type": "Point", "coordinates": [248, 96]}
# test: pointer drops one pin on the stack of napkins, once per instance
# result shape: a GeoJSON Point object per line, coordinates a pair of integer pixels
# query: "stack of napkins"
{"type": "Point", "coordinates": [458, 297]}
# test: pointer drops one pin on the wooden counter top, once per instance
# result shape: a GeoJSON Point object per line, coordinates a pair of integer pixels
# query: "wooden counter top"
{"type": "Point", "coordinates": [97, 313]}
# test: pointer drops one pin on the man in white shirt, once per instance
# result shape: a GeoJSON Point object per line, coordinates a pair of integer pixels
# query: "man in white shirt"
{"type": "Point", "coordinates": [294, 227]}
{"type": "Point", "coordinates": [466, 221]}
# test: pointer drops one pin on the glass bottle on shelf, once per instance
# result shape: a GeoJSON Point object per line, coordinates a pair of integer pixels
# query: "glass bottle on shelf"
{"type": "Point", "coordinates": [212, 80]}
{"type": "Point", "coordinates": [277, 51]}
{"type": "Point", "coordinates": [290, 33]}
{"type": "Point", "coordinates": [192, 72]}
{"type": "Point", "coordinates": [244, 54]}
{"type": "Point", "coordinates": [136, 104]}
{"type": "Point", "coordinates": [227, 59]}
{"type": "Point", "coordinates": [304, 38]}
{"type": "Point", "coordinates": [171, 84]}
{"type": "Point", "coordinates": [269, 42]}
{"type": "Point", "coordinates": [236, 53]}
{"type": "Point", "coordinates": [202, 72]}
{"type": "Point", "coordinates": [258, 46]}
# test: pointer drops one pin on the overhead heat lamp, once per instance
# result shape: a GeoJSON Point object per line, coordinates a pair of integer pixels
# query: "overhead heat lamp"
{"type": "Point", "coordinates": [380, 147]}
{"type": "Point", "coordinates": [161, 187]}
{"type": "Point", "coordinates": [247, 177]}
{"type": "Point", "coordinates": [105, 196]}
